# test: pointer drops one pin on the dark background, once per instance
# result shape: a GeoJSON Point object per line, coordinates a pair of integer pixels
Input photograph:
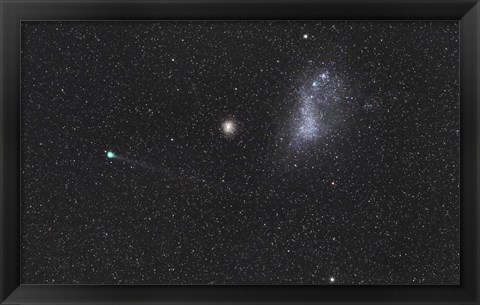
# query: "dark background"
{"type": "Point", "coordinates": [372, 199]}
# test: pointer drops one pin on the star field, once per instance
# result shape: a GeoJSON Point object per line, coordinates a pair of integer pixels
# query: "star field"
{"type": "Point", "coordinates": [254, 152]}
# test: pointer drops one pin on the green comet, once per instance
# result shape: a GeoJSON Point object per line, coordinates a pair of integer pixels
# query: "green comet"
{"type": "Point", "coordinates": [110, 154]}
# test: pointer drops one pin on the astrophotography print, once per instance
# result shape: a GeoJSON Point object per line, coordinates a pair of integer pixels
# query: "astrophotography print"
{"type": "Point", "coordinates": [240, 152]}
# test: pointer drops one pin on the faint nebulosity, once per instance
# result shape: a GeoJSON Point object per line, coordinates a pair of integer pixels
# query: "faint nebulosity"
{"type": "Point", "coordinates": [254, 152]}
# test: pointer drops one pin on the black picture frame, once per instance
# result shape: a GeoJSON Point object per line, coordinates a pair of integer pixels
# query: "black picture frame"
{"type": "Point", "coordinates": [13, 12]}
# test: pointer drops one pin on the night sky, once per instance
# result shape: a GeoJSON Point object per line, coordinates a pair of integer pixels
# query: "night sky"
{"type": "Point", "coordinates": [254, 152]}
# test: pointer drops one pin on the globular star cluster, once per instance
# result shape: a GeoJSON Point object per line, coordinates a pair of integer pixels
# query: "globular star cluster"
{"type": "Point", "coordinates": [229, 127]}
{"type": "Point", "coordinates": [242, 152]}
